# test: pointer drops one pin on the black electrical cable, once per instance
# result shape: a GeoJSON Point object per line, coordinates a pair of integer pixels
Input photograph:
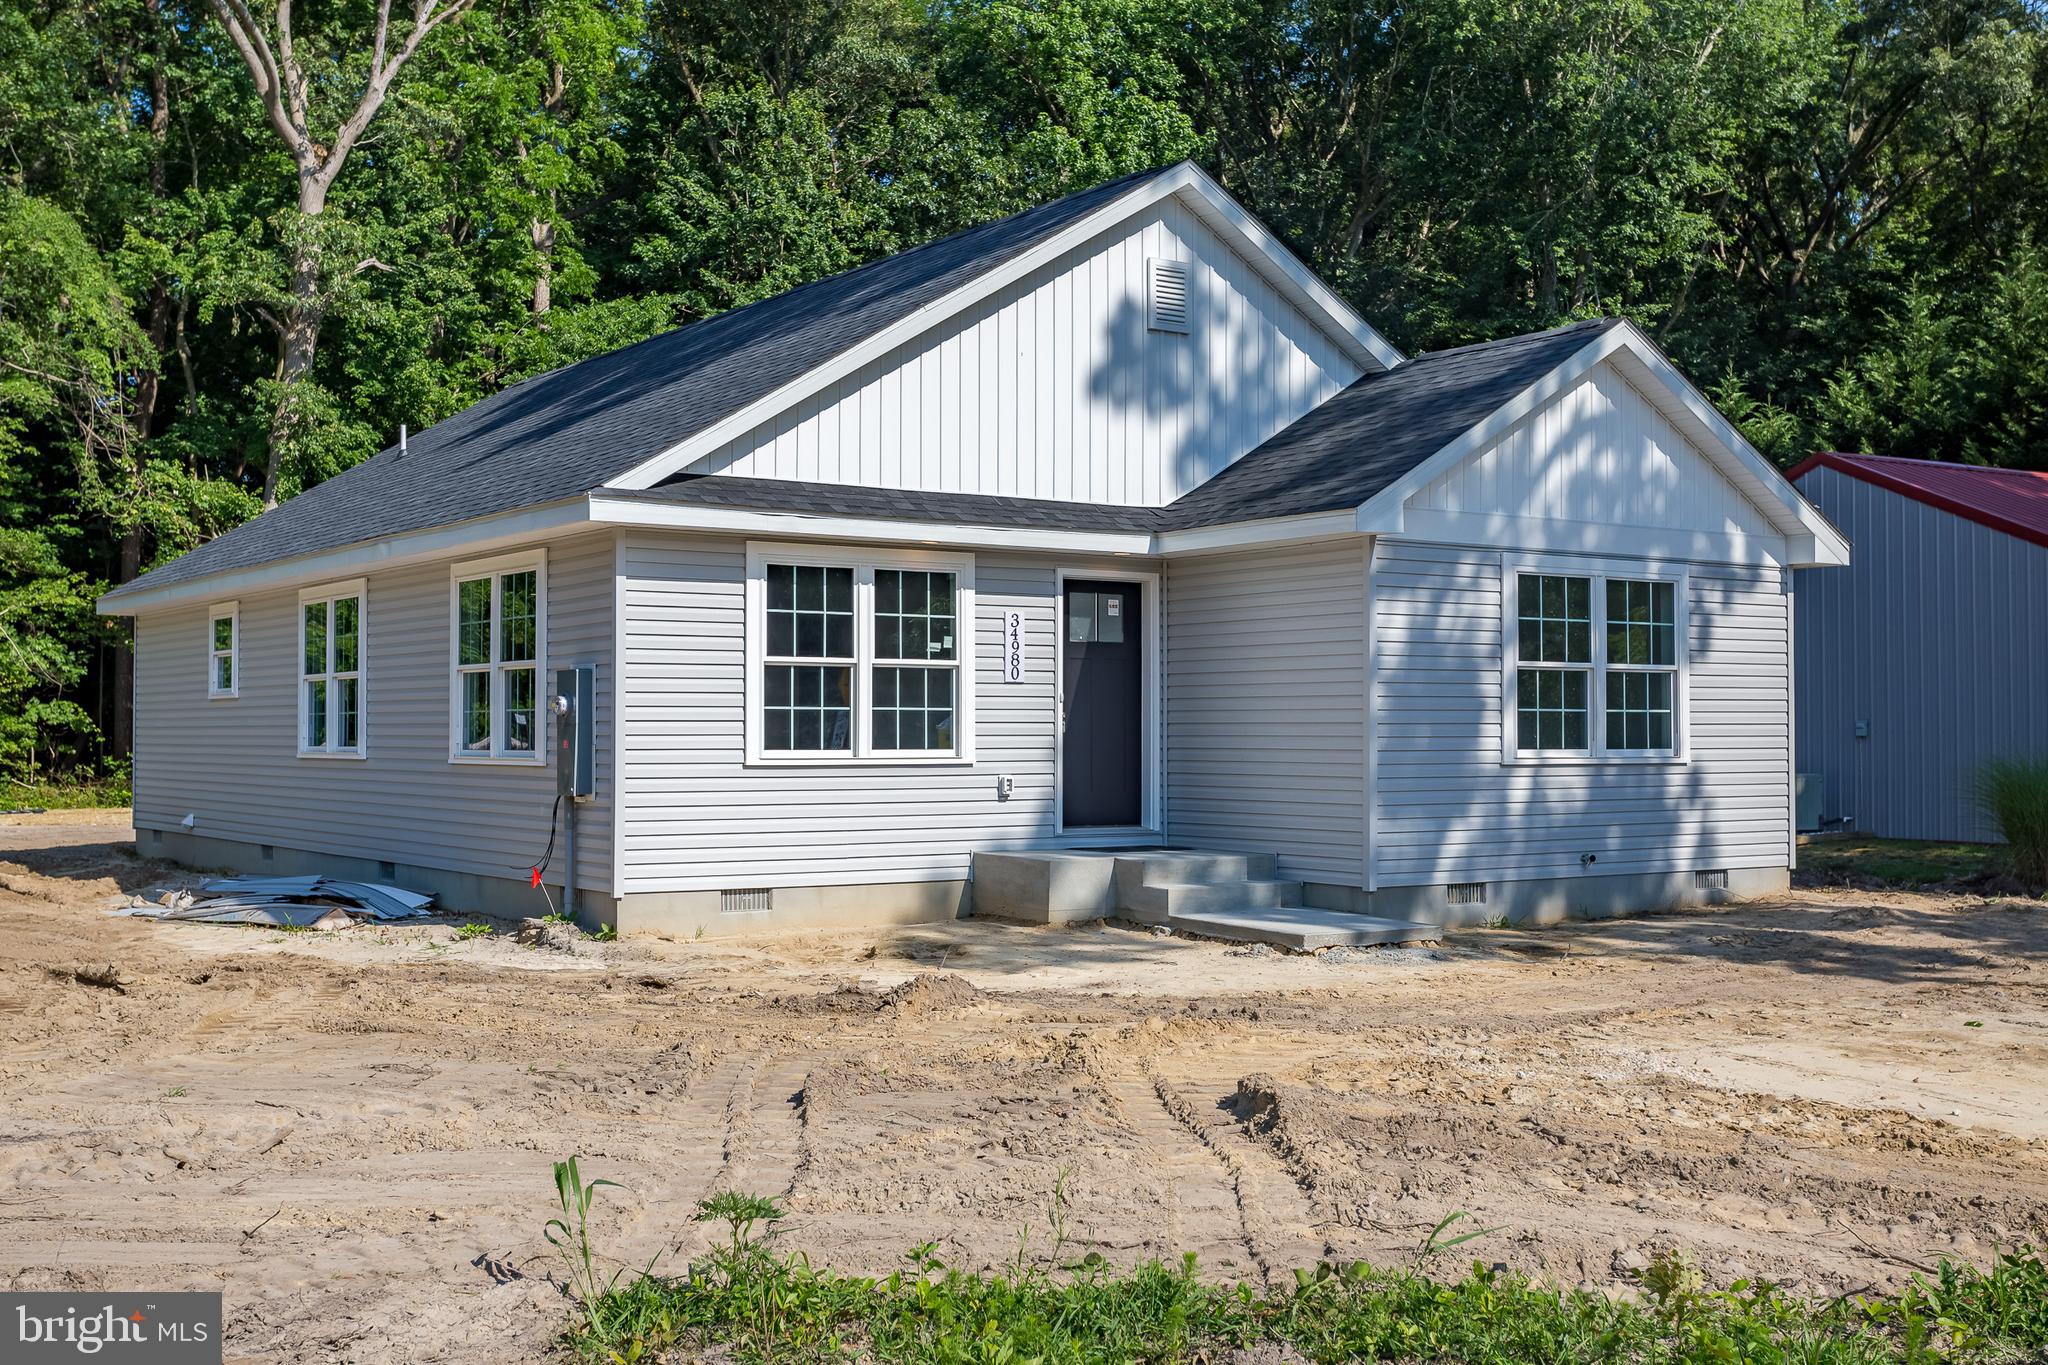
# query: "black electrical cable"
{"type": "Point", "coordinates": [554, 819]}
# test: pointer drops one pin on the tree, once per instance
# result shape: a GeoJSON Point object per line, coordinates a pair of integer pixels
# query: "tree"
{"type": "Point", "coordinates": [289, 102]}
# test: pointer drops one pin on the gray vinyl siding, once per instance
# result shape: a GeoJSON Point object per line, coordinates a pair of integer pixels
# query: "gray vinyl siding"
{"type": "Point", "coordinates": [1265, 706]}
{"type": "Point", "coordinates": [1937, 635]}
{"type": "Point", "coordinates": [1448, 810]}
{"type": "Point", "coordinates": [697, 817]}
{"type": "Point", "coordinates": [233, 764]}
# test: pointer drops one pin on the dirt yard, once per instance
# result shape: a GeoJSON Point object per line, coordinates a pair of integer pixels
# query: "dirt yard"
{"type": "Point", "coordinates": [351, 1132]}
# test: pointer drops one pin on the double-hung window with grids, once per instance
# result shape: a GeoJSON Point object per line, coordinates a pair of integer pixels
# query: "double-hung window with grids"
{"type": "Point", "coordinates": [500, 639]}
{"type": "Point", "coordinates": [858, 655]}
{"type": "Point", "coordinates": [331, 671]}
{"type": "Point", "coordinates": [1596, 666]}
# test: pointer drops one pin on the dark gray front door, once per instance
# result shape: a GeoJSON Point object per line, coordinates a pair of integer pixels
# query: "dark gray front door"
{"type": "Point", "coordinates": [1102, 778]}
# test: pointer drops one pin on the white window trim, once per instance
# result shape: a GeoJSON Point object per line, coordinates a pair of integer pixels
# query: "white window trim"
{"type": "Point", "coordinates": [863, 561]}
{"type": "Point", "coordinates": [1598, 753]}
{"type": "Point", "coordinates": [358, 588]}
{"type": "Point", "coordinates": [495, 568]}
{"type": "Point", "coordinates": [231, 612]}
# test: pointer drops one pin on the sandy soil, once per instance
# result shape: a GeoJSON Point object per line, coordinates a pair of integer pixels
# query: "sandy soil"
{"type": "Point", "coordinates": [351, 1133]}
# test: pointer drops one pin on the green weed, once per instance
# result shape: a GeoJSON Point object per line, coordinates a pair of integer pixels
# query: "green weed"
{"type": "Point", "coordinates": [746, 1303]}
{"type": "Point", "coordinates": [474, 929]}
{"type": "Point", "coordinates": [2015, 792]}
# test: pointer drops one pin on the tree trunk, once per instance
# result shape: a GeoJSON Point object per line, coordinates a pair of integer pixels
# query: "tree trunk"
{"type": "Point", "coordinates": [544, 269]}
{"type": "Point", "coordinates": [297, 339]}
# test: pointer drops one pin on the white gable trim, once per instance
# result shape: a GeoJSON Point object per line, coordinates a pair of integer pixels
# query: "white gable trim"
{"type": "Point", "coordinates": [1209, 202]}
{"type": "Point", "coordinates": [1811, 541]}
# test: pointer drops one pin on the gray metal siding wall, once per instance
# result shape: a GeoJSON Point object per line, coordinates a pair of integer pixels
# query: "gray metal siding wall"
{"type": "Point", "coordinates": [1265, 706]}
{"type": "Point", "coordinates": [234, 764]}
{"type": "Point", "coordinates": [1448, 810]}
{"type": "Point", "coordinates": [698, 818]}
{"type": "Point", "coordinates": [1937, 635]}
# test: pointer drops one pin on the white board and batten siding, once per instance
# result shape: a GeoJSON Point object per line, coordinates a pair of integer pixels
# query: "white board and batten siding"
{"type": "Point", "coordinates": [1600, 454]}
{"type": "Point", "coordinates": [1056, 388]}
{"type": "Point", "coordinates": [233, 764]}
{"type": "Point", "coordinates": [696, 817]}
{"type": "Point", "coordinates": [1596, 482]}
{"type": "Point", "coordinates": [1265, 706]}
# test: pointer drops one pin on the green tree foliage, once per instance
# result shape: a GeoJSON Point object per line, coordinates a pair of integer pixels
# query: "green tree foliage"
{"type": "Point", "coordinates": [216, 287]}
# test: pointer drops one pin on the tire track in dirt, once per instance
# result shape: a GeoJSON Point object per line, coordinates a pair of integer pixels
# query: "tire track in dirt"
{"type": "Point", "coordinates": [1279, 1221]}
{"type": "Point", "coordinates": [1200, 1211]}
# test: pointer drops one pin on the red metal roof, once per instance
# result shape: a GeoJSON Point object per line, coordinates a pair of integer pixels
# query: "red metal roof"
{"type": "Point", "coordinates": [2014, 501]}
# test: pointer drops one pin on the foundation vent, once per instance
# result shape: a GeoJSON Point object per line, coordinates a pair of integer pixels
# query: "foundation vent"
{"type": "Point", "coordinates": [1716, 880]}
{"type": "Point", "coordinates": [1466, 893]}
{"type": "Point", "coordinates": [742, 902]}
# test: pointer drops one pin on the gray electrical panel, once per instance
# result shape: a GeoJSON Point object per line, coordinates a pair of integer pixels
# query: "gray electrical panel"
{"type": "Point", "coordinates": [576, 731]}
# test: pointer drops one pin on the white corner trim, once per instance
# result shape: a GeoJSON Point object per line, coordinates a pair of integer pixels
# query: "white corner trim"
{"type": "Point", "coordinates": [1811, 541]}
{"type": "Point", "coordinates": [1265, 251]}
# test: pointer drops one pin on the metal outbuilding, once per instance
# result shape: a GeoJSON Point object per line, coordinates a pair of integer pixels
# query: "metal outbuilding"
{"type": "Point", "coordinates": [1928, 657]}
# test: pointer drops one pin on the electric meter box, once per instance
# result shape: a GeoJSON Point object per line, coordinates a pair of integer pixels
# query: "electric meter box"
{"type": "Point", "coordinates": [576, 731]}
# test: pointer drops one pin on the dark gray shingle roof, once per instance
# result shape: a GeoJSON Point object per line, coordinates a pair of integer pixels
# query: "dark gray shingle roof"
{"type": "Point", "coordinates": [561, 434]}
{"type": "Point", "coordinates": [1368, 436]}
{"type": "Point", "coordinates": [1355, 445]}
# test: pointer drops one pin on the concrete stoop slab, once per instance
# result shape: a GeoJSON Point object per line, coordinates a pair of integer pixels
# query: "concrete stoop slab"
{"type": "Point", "coordinates": [1302, 928]}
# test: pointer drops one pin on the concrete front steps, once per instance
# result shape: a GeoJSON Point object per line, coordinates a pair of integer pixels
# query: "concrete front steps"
{"type": "Point", "coordinates": [1232, 896]}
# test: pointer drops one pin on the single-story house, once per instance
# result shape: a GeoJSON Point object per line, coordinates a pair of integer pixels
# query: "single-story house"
{"type": "Point", "coordinates": [1929, 658]}
{"type": "Point", "coordinates": [1107, 525]}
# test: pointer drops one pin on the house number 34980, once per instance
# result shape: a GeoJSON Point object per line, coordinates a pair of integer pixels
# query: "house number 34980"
{"type": "Point", "coordinates": [1013, 646]}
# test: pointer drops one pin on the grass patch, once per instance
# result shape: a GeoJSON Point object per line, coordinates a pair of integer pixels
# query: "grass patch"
{"type": "Point", "coordinates": [77, 793]}
{"type": "Point", "coordinates": [476, 928]}
{"type": "Point", "coordinates": [2015, 791]}
{"type": "Point", "coordinates": [747, 1303]}
{"type": "Point", "coordinates": [1904, 864]}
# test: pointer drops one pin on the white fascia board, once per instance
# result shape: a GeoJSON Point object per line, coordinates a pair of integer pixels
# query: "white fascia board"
{"type": "Point", "coordinates": [1365, 345]}
{"type": "Point", "coordinates": [546, 522]}
{"type": "Point", "coordinates": [1811, 540]}
{"type": "Point", "coordinates": [1285, 269]}
{"type": "Point", "coordinates": [1241, 534]}
{"type": "Point", "coordinates": [1819, 543]}
{"type": "Point", "coordinates": [641, 512]}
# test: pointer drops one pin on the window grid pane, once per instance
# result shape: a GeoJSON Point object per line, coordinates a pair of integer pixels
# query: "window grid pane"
{"type": "Point", "coordinates": [914, 615]}
{"type": "Point", "coordinates": [223, 632]}
{"type": "Point", "coordinates": [476, 711]}
{"type": "Point", "coordinates": [1556, 619]}
{"type": "Point", "coordinates": [224, 673]}
{"type": "Point", "coordinates": [1639, 711]}
{"type": "Point", "coordinates": [808, 708]}
{"type": "Point", "coordinates": [810, 612]}
{"type": "Point", "coordinates": [316, 639]}
{"type": "Point", "coordinates": [520, 714]}
{"type": "Point", "coordinates": [913, 709]}
{"type": "Point", "coordinates": [473, 597]}
{"type": "Point", "coordinates": [1550, 711]}
{"type": "Point", "coordinates": [316, 714]}
{"type": "Point", "coordinates": [1642, 625]}
{"type": "Point", "coordinates": [518, 616]}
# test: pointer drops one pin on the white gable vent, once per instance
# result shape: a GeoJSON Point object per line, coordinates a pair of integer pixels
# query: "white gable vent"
{"type": "Point", "coordinates": [1166, 295]}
